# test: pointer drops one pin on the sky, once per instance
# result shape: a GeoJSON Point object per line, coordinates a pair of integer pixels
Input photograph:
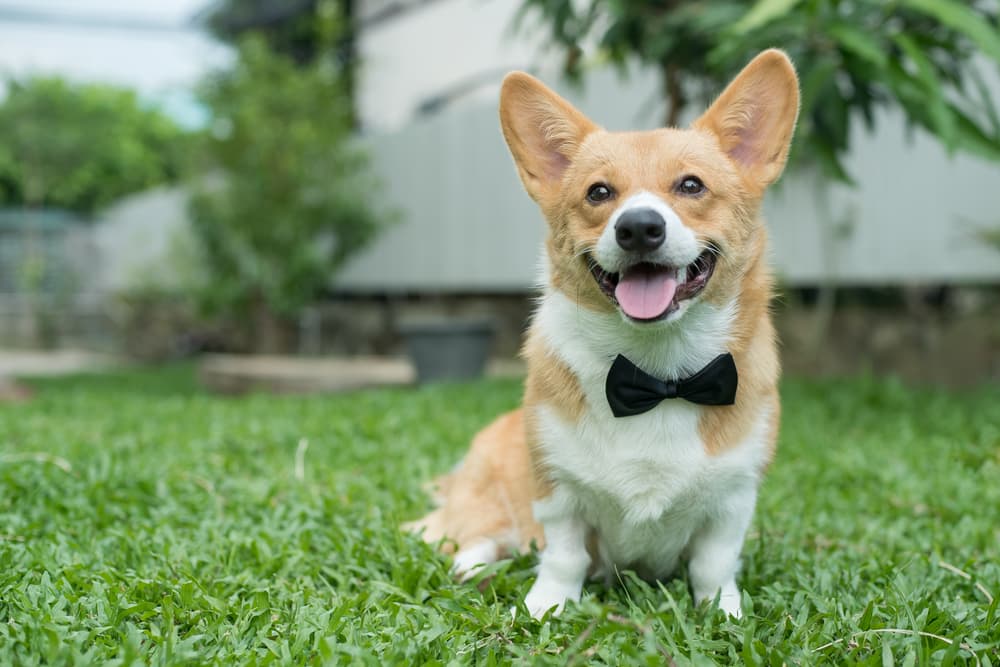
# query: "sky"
{"type": "Point", "coordinates": [167, 11]}
{"type": "Point", "coordinates": [151, 46]}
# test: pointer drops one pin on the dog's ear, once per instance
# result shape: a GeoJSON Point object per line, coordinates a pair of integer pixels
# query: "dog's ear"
{"type": "Point", "coordinates": [754, 118]}
{"type": "Point", "coordinates": [543, 132]}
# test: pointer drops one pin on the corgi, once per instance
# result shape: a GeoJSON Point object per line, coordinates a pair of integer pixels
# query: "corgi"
{"type": "Point", "coordinates": [651, 405]}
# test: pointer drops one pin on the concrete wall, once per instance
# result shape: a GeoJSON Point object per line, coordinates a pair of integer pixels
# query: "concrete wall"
{"type": "Point", "coordinates": [434, 48]}
{"type": "Point", "coordinates": [139, 242]}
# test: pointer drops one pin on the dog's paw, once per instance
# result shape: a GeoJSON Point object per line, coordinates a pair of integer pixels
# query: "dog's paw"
{"type": "Point", "coordinates": [730, 603]}
{"type": "Point", "coordinates": [729, 599]}
{"type": "Point", "coordinates": [545, 596]}
{"type": "Point", "coordinates": [467, 562]}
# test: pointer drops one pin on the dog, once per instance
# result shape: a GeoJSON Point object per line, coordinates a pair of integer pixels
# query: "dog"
{"type": "Point", "coordinates": [651, 404]}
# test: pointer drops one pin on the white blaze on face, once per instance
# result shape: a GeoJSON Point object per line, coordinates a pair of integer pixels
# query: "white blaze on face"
{"type": "Point", "coordinates": [647, 281]}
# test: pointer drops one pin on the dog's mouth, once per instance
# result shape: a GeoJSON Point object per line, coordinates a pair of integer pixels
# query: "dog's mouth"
{"type": "Point", "coordinates": [647, 292]}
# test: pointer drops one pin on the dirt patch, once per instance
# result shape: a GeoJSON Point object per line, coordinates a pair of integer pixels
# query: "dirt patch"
{"type": "Point", "coordinates": [13, 392]}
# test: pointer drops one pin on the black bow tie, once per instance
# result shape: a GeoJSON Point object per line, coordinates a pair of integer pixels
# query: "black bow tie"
{"type": "Point", "coordinates": [632, 391]}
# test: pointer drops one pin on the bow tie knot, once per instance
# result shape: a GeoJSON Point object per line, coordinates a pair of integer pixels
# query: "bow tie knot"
{"type": "Point", "coordinates": [670, 389]}
{"type": "Point", "coordinates": [632, 391]}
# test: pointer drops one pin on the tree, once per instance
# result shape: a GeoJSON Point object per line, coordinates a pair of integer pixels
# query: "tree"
{"type": "Point", "coordinates": [81, 146]}
{"type": "Point", "coordinates": [299, 29]}
{"type": "Point", "coordinates": [303, 30]}
{"type": "Point", "coordinates": [852, 57]}
{"type": "Point", "coordinates": [295, 196]}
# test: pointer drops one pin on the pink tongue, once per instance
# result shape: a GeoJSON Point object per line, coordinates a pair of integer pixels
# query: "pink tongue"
{"type": "Point", "coordinates": [645, 292]}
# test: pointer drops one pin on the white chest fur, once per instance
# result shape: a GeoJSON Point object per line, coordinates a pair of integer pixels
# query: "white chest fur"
{"type": "Point", "coordinates": [645, 482]}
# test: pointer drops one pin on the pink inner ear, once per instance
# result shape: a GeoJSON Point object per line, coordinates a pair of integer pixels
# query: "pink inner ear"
{"type": "Point", "coordinates": [551, 161]}
{"type": "Point", "coordinates": [745, 140]}
{"type": "Point", "coordinates": [744, 150]}
{"type": "Point", "coordinates": [555, 165]}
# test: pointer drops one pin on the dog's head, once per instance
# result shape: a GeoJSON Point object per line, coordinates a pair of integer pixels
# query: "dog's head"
{"type": "Point", "coordinates": [649, 223]}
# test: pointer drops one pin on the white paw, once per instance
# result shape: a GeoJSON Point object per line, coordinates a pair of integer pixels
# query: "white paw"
{"type": "Point", "coordinates": [465, 571]}
{"type": "Point", "coordinates": [729, 599]}
{"type": "Point", "coordinates": [548, 595]}
{"type": "Point", "coordinates": [467, 561]}
{"type": "Point", "coordinates": [730, 603]}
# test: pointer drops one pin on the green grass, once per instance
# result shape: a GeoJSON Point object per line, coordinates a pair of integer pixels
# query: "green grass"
{"type": "Point", "coordinates": [143, 522]}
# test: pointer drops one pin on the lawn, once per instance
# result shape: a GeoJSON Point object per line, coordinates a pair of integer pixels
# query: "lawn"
{"type": "Point", "coordinates": [145, 522]}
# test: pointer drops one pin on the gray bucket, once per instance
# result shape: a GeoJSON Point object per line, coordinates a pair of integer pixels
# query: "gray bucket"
{"type": "Point", "coordinates": [448, 348]}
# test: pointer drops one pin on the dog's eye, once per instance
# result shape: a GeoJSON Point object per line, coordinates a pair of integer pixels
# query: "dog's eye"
{"type": "Point", "coordinates": [599, 192]}
{"type": "Point", "coordinates": [690, 185]}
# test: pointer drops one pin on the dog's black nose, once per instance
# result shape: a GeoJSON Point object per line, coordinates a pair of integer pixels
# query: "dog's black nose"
{"type": "Point", "coordinates": [640, 229]}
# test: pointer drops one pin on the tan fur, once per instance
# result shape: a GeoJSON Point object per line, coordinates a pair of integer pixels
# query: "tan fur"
{"type": "Point", "coordinates": [753, 346]}
{"type": "Point", "coordinates": [738, 147]}
{"type": "Point", "coordinates": [494, 485]}
{"type": "Point", "coordinates": [553, 383]}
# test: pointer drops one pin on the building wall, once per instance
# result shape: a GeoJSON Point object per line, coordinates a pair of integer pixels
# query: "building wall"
{"type": "Point", "coordinates": [433, 48]}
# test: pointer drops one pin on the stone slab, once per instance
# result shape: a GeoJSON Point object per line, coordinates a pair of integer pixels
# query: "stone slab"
{"type": "Point", "coordinates": [239, 374]}
{"type": "Point", "coordinates": [45, 363]}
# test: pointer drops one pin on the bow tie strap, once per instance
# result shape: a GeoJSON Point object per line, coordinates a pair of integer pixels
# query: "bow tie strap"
{"type": "Point", "coordinates": [632, 391]}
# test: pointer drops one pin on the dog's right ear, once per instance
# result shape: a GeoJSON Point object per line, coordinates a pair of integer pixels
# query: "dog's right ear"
{"type": "Point", "coordinates": [543, 132]}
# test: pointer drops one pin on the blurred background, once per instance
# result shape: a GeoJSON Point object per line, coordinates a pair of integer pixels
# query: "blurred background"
{"type": "Point", "coordinates": [299, 193]}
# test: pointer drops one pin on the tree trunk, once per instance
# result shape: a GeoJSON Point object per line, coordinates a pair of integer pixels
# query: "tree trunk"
{"type": "Point", "coordinates": [272, 333]}
{"type": "Point", "coordinates": [674, 93]}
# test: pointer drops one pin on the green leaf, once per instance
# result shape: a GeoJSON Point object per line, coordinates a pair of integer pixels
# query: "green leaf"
{"type": "Point", "coordinates": [958, 16]}
{"type": "Point", "coordinates": [942, 122]}
{"type": "Point", "coordinates": [815, 81]}
{"type": "Point", "coordinates": [763, 12]}
{"type": "Point", "coordinates": [986, 103]}
{"type": "Point", "coordinates": [887, 657]}
{"type": "Point", "coordinates": [859, 43]}
{"type": "Point", "coordinates": [970, 137]}
{"type": "Point", "coordinates": [865, 622]}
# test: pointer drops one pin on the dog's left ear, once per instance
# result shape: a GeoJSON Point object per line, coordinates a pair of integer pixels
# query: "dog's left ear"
{"type": "Point", "coordinates": [754, 118]}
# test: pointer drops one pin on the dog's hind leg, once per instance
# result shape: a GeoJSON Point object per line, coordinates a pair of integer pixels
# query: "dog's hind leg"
{"type": "Point", "coordinates": [473, 556]}
{"type": "Point", "coordinates": [485, 502]}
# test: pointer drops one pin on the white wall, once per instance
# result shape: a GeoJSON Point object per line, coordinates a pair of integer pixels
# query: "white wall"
{"type": "Point", "coordinates": [914, 216]}
{"type": "Point", "coordinates": [140, 242]}
{"type": "Point", "coordinates": [434, 47]}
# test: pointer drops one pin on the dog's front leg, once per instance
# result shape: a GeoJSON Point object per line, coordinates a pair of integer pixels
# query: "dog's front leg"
{"type": "Point", "coordinates": [715, 553]}
{"type": "Point", "coordinates": [563, 564]}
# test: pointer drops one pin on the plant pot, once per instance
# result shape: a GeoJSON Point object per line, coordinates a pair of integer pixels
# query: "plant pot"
{"type": "Point", "coordinates": [448, 348]}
